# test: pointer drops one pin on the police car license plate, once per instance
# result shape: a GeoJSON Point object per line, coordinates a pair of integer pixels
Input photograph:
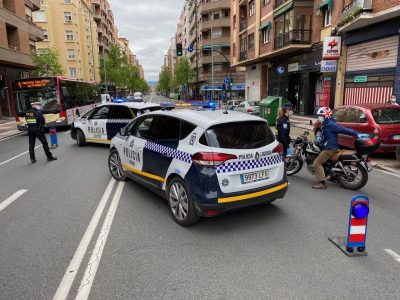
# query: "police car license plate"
{"type": "Point", "coordinates": [254, 176]}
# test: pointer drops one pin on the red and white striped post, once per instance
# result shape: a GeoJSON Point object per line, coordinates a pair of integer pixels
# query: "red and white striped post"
{"type": "Point", "coordinates": [358, 221]}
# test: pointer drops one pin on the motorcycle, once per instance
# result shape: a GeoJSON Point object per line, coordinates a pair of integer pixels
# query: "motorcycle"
{"type": "Point", "coordinates": [349, 168]}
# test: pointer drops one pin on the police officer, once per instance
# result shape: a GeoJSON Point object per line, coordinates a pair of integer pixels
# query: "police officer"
{"type": "Point", "coordinates": [283, 128]}
{"type": "Point", "coordinates": [36, 122]}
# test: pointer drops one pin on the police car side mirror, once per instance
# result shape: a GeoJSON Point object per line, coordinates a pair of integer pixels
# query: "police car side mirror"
{"type": "Point", "coordinates": [123, 131]}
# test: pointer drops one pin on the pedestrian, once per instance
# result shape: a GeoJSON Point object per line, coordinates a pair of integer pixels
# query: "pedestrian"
{"type": "Point", "coordinates": [393, 100]}
{"type": "Point", "coordinates": [36, 126]}
{"type": "Point", "coordinates": [283, 128]}
{"type": "Point", "coordinates": [328, 144]}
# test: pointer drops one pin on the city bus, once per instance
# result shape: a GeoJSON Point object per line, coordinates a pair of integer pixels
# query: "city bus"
{"type": "Point", "coordinates": [62, 99]}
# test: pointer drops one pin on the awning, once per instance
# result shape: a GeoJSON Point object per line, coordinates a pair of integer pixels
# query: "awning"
{"type": "Point", "coordinates": [266, 26]}
{"type": "Point", "coordinates": [326, 3]}
{"type": "Point", "coordinates": [283, 9]}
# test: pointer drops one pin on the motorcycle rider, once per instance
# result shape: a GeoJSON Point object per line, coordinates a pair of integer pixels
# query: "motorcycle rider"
{"type": "Point", "coordinates": [329, 143]}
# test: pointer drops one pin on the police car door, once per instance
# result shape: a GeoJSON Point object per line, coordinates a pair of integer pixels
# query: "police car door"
{"type": "Point", "coordinates": [120, 116]}
{"type": "Point", "coordinates": [133, 159]}
{"type": "Point", "coordinates": [97, 125]}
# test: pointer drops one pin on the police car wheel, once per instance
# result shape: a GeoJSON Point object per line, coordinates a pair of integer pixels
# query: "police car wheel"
{"type": "Point", "coordinates": [115, 166]}
{"type": "Point", "coordinates": [181, 204]}
{"type": "Point", "coordinates": [80, 138]}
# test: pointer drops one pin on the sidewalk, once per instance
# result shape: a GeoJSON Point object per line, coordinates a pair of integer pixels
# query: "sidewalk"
{"type": "Point", "coordinates": [386, 161]}
{"type": "Point", "coordinates": [8, 128]}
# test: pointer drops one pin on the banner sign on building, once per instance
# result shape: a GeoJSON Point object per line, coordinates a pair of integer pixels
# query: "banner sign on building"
{"type": "Point", "coordinates": [331, 49]}
{"type": "Point", "coordinates": [328, 66]}
{"type": "Point", "coordinates": [293, 67]}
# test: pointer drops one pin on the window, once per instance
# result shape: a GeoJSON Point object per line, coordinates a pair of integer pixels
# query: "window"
{"type": "Point", "coordinates": [39, 16]}
{"type": "Point", "coordinates": [265, 2]}
{"type": "Point", "coordinates": [327, 17]}
{"type": "Point", "coordinates": [121, 112]}
{"type": "Point", "coordinates": [338, 113]}
{"type": "Point", "coordinates": [72, 72]}
{"type": "Point", "coordinates": [144, 126]}
{"type": "Point", "coordinates": [69, 35]}
{"type": "Point", "coordinates": [167, 129]}
{"type": "Point", "coordinates": [252, 8]}
{"type": "Point", "coordinates": [186, 129]}
{"type": "Point", "coordinates": [101, 113]}
{"type": "Point", "coordinates": [351, 116]}
{"type": "Point", "coordinates": [71, 54]}
{"type": "Point", "coordinates": [12, 37]}
{"type": "Point", "coordinates": [216, 34]}
{"type": "Point", "coordinates": [67, 1]}
{"type": "Point", "coordinates": [251, 41]}
{"type": "Point", "coordinates": [362, 118]}
{"type": "Point", "coordinates": [386, 115]}
{"type": "Point", "coordinates": [67, 17]}
{"type": "Point", "coordinates": [217, 68]}
{"type": "Point", "coordinates": [28, 13]}
{"type": "Point", "coordinates": [45, 35]}
{"type": "Point", "coordinates": [266, 34]}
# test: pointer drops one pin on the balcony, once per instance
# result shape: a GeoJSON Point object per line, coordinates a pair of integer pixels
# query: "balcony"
{"type": "Point", "coordinates": [215, 5]}
{"type": "Point", "coordinates": [223, 22]}
{"type": "Point", "coordinates": [221, 41]}
{"type": "Point", "coordinates": [355, 8]}
{"type": "Point", "coordinates": [279, 3]}
{"type": "Point", "coordinates": [97, 16]}
{"type": "Point", "coordinates": [243, 25]}
{"type": "Point", "coordinates": [207, 60]}
{"type": "Point", "coordinates": [293, 37]}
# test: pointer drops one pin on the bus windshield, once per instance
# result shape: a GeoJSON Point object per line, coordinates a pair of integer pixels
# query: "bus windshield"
{"type": "Point", "coordinates": [46, 94]}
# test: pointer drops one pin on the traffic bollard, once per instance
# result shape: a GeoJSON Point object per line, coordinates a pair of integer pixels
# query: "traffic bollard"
{"type": "Point", "coordinates": [53, 138]}
{"type": "Point", "coordinates": [357, 228]}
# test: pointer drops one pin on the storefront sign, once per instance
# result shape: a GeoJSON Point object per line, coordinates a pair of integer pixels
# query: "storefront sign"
{"type": "Point", "coordinates": [328, 66]}
{"type": "Point", "coordinates": [293, 67]}
{"type": "Point", "coordinates": [371, 55]}
{"type": "Point", "coordinates": [331, 49]}
{"type": "Point", "coordinates": [359, 79]}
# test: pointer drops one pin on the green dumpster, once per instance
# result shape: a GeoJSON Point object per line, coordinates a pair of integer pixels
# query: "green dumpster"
{"type": "Point", "coordinates": [269, 108]}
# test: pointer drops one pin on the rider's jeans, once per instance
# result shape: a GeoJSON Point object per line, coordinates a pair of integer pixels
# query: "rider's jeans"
{"type": "Point", "coordinates": [319, 161]}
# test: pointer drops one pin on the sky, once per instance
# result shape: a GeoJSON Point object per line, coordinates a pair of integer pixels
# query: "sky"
{"type": "Point", "coordinates": [149, 26]}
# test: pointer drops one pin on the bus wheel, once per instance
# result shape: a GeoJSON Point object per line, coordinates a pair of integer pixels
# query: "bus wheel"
{"type": "Point", "coordinates": [80, 138]}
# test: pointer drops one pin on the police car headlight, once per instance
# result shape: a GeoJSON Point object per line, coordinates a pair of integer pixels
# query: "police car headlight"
{"type": "Point", "coordinates": [59, 120]}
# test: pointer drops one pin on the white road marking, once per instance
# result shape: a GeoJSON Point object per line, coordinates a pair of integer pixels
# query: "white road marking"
{"type": "Point", "coordinates": [11, 199]}
{"type": "Point", "coordinates": [393, 254]}
{"type": "Point", "coordinates": [10, 137]}
{"type": "Point", "coordinates": [72, 270]}
{"type": "Point", "coordinates": [151, 98]}
{"type": "Point", "coordinates": [8, 123]}
{"type": "Point", "coordinates": [389, 173]}
{"type": "Point", "coordinates": [94, 261]}
{"type": "Point", "coordinates": [15, 157]}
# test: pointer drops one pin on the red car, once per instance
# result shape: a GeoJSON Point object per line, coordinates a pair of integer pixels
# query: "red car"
{"type": "Point", "coordinates": [380, 119]}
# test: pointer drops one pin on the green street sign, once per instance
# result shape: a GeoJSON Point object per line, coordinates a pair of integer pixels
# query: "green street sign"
{"type": "Point", "coordinates": [359, 79]}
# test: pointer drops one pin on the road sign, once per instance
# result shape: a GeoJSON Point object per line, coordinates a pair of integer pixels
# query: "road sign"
{"type": "Point", "coordinates": [190, 48]}
{"type": "Point", "coordinates": [226, 79]}
{"type": "Point", "coordinates": [359, 79]}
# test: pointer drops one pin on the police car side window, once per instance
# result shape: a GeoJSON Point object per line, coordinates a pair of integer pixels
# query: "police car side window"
{"type": "Point", "coordinates": [186, 129]}
{"type": "Point", "coordinates": [101, 113]}
{"type": "Point", "coordinates": [167, 128]}
{"type": "Point", "coordinates": [143, 128]}
{"type": "Point", "coordinates": [121, 112]}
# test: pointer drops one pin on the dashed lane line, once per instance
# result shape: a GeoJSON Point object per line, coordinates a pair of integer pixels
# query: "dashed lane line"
{"type": "Point", "coordinates": [393, 254]}
{"type": "Point", "coordinates": [15, 157]}
{"type": "Point", "coordinates": [94, 261]}
{"type": "Point", "coordinates": [11, 199]}
{"type": "Point", "coordinates": [72, 270]}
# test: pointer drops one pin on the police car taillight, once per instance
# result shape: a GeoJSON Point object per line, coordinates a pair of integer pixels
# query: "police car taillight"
{"type": "Point", "coordinates": [278, 149]}
{"type": "Point", "coordinates": [211, 159]}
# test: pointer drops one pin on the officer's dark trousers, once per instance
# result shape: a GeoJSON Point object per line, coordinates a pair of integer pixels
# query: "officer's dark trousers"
{"type": "Point", "coordinates": [37, 134]}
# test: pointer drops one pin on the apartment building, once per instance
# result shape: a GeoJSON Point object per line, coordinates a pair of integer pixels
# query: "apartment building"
{"type": "Point", "coordinates": [107, 32]}
{"type": "Point", "coordinates": [209, 33]}
{"type": "Point", "coordinates": [280, 42]}
{"type": "Point", "coordinates": [70, 29]}
{"type": "Point", "coordinates": [18, 36]}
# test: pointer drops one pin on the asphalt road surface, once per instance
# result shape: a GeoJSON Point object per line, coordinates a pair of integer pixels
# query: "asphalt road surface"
{"type": "Point", "coordinates": [68, 231]}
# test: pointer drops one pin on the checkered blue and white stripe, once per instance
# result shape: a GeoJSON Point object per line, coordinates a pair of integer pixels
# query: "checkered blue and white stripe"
{"type": "Point", "coordinates": [119, 120]}
{"type": "Point", "coordinates": [228, 167]}
{"type": "Point", "coordinates": [177, 154]}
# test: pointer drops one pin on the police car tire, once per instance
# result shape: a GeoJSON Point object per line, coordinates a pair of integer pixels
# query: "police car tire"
{"type": "Point", "coordinates": [80, 138]}
{"type": "Point", "coordinates": [123, 177]}
{"type": "Point", "coordinates": [192, 217]}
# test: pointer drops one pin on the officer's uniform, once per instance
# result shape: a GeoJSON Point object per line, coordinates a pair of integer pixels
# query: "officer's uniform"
{"type": "Point", "coordinates": [283, 128]}
{"type": "Point", "coordinates": [36, 122]}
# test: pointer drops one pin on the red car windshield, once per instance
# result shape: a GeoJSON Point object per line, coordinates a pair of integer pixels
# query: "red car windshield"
{"type": "Point", "coordinates": [386, 115]}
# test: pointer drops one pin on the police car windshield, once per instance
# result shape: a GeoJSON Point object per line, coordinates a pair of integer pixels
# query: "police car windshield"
{"type": "Point", "coordinates": [239, 135]}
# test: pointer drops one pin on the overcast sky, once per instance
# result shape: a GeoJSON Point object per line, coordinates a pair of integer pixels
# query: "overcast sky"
{"type": "Point", "coordinates": [148, 25]}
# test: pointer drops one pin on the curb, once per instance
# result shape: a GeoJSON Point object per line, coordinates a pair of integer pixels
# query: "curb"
{"type": "Point", "coordinates": [11, 135]}
{"type": "Point", "coordinates": [385, 168]}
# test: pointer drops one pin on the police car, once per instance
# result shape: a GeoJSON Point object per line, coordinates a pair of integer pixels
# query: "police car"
{"type": "Point", "coordinates": [103, 122]}
{"type": "Point", "coordinates": [203, 162]}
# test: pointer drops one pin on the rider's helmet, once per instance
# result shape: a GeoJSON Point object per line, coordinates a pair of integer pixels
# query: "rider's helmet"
{"type": "Point", "coordinates": [325, 112]}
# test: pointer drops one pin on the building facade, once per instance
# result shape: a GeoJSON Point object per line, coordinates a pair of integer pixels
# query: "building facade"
{"type": "Point", "coordinates": [18, 36]}
{"type": "Point", "coordinates": [69, 28]}
{"type": "Point", "coordinates": [209, 31]}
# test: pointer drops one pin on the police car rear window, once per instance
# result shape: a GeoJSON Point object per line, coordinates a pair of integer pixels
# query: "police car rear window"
{"type": "Point", "coordinates": [238, 135]}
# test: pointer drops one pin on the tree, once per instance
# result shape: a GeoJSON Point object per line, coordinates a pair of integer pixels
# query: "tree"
{"type": "Point", "coordinates": [114, 67]}
{"type": "Point", "coordinates": [164, 80]}
{"type": "Point", "coordinates": [47, 63]}
{"type": "Point", "coordinates": [183, 74]}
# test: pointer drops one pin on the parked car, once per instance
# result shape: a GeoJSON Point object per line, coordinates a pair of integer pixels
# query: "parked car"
{"type": "Point", "coordinates": [102, 123]}
{"type": "Point", "coordinates": [138, 97]}
{"type": "Point", "coordinates": [203, 162]}
{"type": "Point", "coordinates": [233, 104]}
{"type": "Point", "coordinates": [380, 119]}
{"type": "Point", "coordinates": [250, 107]}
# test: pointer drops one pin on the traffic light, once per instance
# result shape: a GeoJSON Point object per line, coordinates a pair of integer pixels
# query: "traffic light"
{"type": "Point", "coordinates": [179, 49]}
{"type": "Point", "coordinates": [231, 82]}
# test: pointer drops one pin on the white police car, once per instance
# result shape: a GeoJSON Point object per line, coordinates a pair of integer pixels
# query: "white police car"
{"type": "Point", "coordinates": [103, 122]}
{"type": "Point", "coordinates": [203, 162]}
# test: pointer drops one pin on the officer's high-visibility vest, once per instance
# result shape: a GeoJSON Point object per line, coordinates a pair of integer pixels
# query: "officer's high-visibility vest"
{"type": "Point", "coordinates": [30, 118]}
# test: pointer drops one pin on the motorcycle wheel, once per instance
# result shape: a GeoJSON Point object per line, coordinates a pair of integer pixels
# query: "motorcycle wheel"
{"type": "Point", "coordinates": [293, 165]}
{"type": "Point", "coordinates": [353, 182]}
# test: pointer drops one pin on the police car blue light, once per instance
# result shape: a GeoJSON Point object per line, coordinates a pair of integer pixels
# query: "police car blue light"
{"type": "Point", "coordinates": [203, 162]}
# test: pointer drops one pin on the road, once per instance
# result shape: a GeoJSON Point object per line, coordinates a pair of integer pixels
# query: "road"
{"type": "Point", "coordinates": [71, 231]}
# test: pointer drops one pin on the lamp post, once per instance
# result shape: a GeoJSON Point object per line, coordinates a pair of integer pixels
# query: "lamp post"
{"type": "Point", "coordinates": [105, 72]}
